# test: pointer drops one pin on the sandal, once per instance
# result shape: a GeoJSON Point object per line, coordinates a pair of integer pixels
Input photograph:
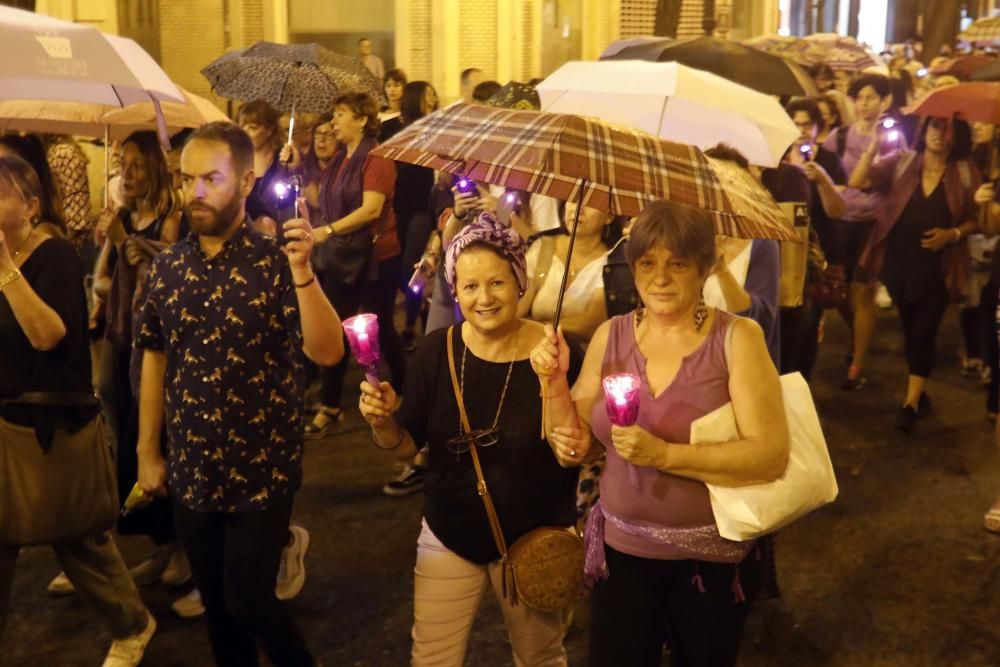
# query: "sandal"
{"type": "Point", "coordinates": [324, 423]}
{"type": "Point", "coordinates": [991, 521]}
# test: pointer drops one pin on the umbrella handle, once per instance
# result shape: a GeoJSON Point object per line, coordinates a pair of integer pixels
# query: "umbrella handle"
{"type": "Point", "coordinates": [291, 123]}
{"type": "Point", "coordinates": [569, 256]}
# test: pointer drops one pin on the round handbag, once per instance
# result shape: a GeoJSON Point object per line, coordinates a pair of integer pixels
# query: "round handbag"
{"type": "Point", "coordinates": [548, 568]}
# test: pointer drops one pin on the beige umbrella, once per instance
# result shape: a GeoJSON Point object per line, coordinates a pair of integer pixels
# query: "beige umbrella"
{"type": "Point", "coordinates": [100, 120]}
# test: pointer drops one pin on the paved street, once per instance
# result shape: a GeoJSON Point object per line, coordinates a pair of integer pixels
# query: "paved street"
{"type": "Point", "coordinates": [898, 572]}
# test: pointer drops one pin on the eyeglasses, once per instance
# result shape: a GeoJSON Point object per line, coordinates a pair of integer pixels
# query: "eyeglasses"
{"type": "Point", "coordinates": [325, 136]}
{"type": "Point", "coordinates": [482, 437]}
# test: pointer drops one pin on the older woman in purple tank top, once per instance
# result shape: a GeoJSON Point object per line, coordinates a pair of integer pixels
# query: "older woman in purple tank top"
{"type": "Point", "coordinates": [660, 567]}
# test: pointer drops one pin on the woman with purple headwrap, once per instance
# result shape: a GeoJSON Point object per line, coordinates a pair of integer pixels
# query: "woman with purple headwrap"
{"type": "Point", "coordinates": [485, 270]}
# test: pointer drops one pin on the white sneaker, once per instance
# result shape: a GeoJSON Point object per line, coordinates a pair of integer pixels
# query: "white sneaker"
{"type": "Point", "coordinates": [178, 570]}
{"type": "Point", "coordinates": [128, 652]}
{"type": "Point", "coordinates": [61, 585]}
{"type": "Point", "coordinates": [882, 298]}
{"type": "Point", "coordinates": [189, 606]}
{"type": "Point", "coordinates": [292, 571]}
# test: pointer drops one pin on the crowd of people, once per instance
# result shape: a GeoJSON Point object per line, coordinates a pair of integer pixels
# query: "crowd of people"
{"type": "Point", "coordinates": [212, 334]}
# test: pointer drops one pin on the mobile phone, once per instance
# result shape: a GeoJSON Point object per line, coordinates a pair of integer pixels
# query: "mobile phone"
{"type": "Point", "coordinates": [466, 186]}
{"type": "Point", "coordinates": [508, 205]}
{"type": "Point", "coordinates": [891, 134]}
{"type": "Point", "coordinates": [286, 193]}
{"type": "Point", "coordinates": [807, 153]}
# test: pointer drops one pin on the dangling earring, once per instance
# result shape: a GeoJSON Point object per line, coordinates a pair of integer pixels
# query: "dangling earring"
{"type": "Point", "coordinates": [700, 313]}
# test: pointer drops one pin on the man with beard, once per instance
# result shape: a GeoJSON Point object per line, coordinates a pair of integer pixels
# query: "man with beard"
{"type": "Point", "coordinates": [229, 314]}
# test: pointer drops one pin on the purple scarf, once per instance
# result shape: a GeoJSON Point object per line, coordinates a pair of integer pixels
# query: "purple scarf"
{"type": "Point", "coordinates": [340, 196]}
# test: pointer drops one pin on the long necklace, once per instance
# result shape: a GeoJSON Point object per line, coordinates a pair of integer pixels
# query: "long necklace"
{"type": "Point", "coordinates": [24, 243]}
{"type": "Point", "coordinates": [506, 382]}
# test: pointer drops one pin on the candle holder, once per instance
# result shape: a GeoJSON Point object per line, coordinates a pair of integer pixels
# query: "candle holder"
{"type": "Point", "coordinates": [621, 398]}
{"type": "Point", "coordinates": [362, 336]}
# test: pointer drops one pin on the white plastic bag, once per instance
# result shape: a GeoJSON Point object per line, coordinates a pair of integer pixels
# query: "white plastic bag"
{"type": "Point", "coordinates": [747, 512]}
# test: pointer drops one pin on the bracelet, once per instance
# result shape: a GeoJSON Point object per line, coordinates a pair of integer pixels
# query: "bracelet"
{"type": "Point", "coordinates": [958, 235]}
{"type": "Point", "coordinates": [402, 435]}
{"type": "Point", "coordinates": [329, 230]}
{"type": "Point", "coordinates": [307, 283]}
{"type": "Point", "coordinates": [10, 278]}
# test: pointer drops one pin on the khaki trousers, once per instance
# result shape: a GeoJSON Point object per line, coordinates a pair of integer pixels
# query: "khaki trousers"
{"type": "Point", "coordinates": [447, 592]}
{"type": "Point", "coordinates": [100, 577]}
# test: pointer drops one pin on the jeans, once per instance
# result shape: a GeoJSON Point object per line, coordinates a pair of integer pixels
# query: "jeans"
{"type": "Point", "coordinates": [97, 571]}
{"type": "Point", "coordinates": [447, 592]}
{"type": "Point", "coordinates": [234, 561]}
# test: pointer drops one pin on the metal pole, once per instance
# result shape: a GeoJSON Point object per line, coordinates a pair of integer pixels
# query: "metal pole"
{"type": "Point", "coordinates": [569, 255]}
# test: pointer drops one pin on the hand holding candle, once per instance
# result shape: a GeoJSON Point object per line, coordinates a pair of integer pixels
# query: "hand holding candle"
{"type": "Point", "coordinates": [362, 335]}
{"type": "Point", "coordinates": [621, 399]}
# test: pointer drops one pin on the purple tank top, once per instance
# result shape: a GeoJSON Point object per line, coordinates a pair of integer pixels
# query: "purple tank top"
{"type": "Point", "coordinates": [662, 500]}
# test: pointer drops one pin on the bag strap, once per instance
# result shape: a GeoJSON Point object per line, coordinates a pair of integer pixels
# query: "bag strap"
{"type": "Point", "coordinates": [481, 488]}
{"type": "Point", "coordinates": [842, 140]}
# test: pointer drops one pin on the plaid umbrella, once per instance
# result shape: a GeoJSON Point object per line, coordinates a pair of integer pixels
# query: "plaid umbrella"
{"type": "Point", "coordinates": [982, 30]}
{"type": "Point", "coordinates": [837, 51]}
{"type": "Point", "coordinates": [970, 101]}
{"type": "Point", "coordinates": [568, 157]}
{"type": "Point", "coordinates": [764, 72]}
{"type": "Point", "coordinates": [303, 77]}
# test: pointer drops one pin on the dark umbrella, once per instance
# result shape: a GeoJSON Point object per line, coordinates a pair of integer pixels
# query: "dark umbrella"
{"type": "Point", "coordinates": [989, 73]}
{"type": "Point", "coordinates": [516, 95]}
{"type": "Point", "coordinates": [963, 67]}
{"type": "Point", "coordinates": [753, 68]}
{"type": "Point", "coordinates": [302, 77]}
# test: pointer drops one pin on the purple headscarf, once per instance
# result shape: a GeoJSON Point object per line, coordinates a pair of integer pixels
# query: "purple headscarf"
{"type": "Point", "coordinates": [486, 229]}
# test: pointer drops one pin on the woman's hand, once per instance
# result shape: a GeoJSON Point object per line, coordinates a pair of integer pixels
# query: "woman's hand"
{"type": "Point", "coordinates": [550, 358]}
{"type": "Point", "coordinates": [984, 195]}
{"type": "Point", "coordinates": [378, 405]}
{"type": "Point", "coordinates": [638, 446]}
{"type": "Point", "coordinates": [815, 172]}
{"type": "Point", "coordinates": [134, 254]}
{"type": "Point", "coordinates": [570, 445]}
{"type": "Point", "coordinates": [938, 239]}
{"type": "Point", "coordinates": [290, 156]}
{"type": "Point", "coordinates": [109, 226]}
{"type": "Point", "coordinates": [465, 203]}
{"type": "Point", "coordinates": [153, 473]}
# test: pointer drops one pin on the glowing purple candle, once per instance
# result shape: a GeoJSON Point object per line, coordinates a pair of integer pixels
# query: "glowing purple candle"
{"type": "Point", "coordinates": [621, 398]}
{"type": "Point", "coordinates": [362, 335]}
{"type": "Point", "coordinates": [418, 281]}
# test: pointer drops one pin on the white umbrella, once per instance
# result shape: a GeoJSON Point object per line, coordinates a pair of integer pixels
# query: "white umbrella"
{"type": "Point", "coordinates": [673, 102]}
{"type": "Point", "coordinates": [42, 58]}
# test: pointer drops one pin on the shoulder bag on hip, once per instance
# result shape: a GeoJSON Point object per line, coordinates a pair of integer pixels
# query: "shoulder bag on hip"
{"type": "Point", "coordinates": [57, 472]}
{"type": "Point", "coordinates": [544, 567]}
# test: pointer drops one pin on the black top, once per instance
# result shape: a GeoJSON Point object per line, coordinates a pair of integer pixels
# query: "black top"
{"type": "Point", "coordinates": [911, 272]}
{"type": "Point", "coordinates": [528, 486]}
{"type": "Point", "coordinates": [389, 128]}
{"type": "Point", "coordinates": [230, 329]}
{"type": "Point", "coordinates": [263, 201]}
{"type": "Point", "coordinates": [820, 221]}
{"type": "Point", "coordinates": [53, 271]}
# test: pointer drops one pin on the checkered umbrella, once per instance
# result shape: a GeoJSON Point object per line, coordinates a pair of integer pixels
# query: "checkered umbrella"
{"type": "Point", "coordinates": [837, 51]}
{"type": "Point", "coordinates": [776, 44]}
{"type": "Point", "coordinates": [984, 30]}
{"type": "Point", "coordinates": [584, 159]}
{"type": "Point", "coordinates": [303, 77]}
{"type": "Point", "coordinates": [568, 157]}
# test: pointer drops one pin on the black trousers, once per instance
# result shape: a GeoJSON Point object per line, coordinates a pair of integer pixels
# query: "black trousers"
{"type": "Point", "coordinates": [921, 321]}
{"type": "Point", "coordinates": [991, 345]}
{"type": "Point", "coordinates": [377, 297]}
{"type": "Point", "coordinates": [799, 339]}
{"type": "Point", "coordinates": [643, 601]}
{"type": "Point", "coordinates": [234, 560]}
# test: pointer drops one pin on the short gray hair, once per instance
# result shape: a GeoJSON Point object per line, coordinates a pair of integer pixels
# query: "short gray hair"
{"type": "Point", "coordinates": [687, 232]}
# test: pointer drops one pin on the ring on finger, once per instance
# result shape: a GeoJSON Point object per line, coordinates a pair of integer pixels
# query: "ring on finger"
{"type": "Point", "coordinates": [572, 453]}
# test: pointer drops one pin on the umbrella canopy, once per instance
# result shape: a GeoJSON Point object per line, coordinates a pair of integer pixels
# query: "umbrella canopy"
{"type": "Point", "coordinates": [42, 58]}
{"type": "Point", "coordinates": [616, 46]}
{"type": "Point", "coordinates": [970, 101]}
{"type": "Point", "coordinates": [778, 44]}
{"type": "Point", "coordinates": [837, 51]}
{"type": "Point", "coordinates": [515, 95]}
{"type": "Point", "coordinates": [303, 77]}
{"type": "Point", "coordinates": [990, 72]}
{"type": "Point", "coordinates": [764, 72]}
{"type": "Point", "coordinates": [673, 102]}
{"type": "Point", "coordinates": [963, 67]}
{"type": "Point", "coordinates": [984, 30]}
{"type": "Point", "coordinates": [97, 120]}
{"type": "Point", "coordinates": [567, 157]}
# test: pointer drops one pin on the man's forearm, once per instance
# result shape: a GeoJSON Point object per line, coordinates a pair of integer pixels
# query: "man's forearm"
{"type": "Point", "coordinates": [833, 202]}
{"type": "Point", "coordinates": [322, 332]}
{"type": "Point", "coordinates": [151, 387]}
